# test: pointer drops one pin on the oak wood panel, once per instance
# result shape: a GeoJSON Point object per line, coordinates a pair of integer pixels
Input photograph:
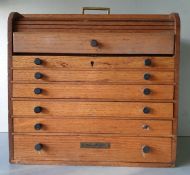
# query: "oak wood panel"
{"type": "Point", "coordinates": [67, 148]}
{"type": "Point", "coordinates": [94, 163]}
{"type": "Point", "coordinates": [102, 17]}
{"type": "Point", "coordinates": [126, 127]}
{"type": "Point", "coordinates": [176, 91]}
{"type": "Point", "coordinates": [92, 109]}
{"type": "Point", "coordinates": [86, 30]}
{"type": "Point", "coordinates": [93, 76]}
{"type": "Point", "coordinates": [50, 27]}
{"type": "Point", "coordinates": [84, 62]}
{"type": "Point", "coordinates": [94, 23]}
{"type": "Point", "coordinates": [11, 19]}
{"type": "Point", "coordinates": [115, 92]}
{"type": "Point", "coordinates": [78, 42]}
{"type": "Point", "coordinates": [74, 22]}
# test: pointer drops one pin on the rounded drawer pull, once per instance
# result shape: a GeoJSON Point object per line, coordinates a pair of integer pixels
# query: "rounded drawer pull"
{"type": "Point", "coordinates": [38, 91]}
{"type": "Point", "coordinates": [37, 109]}
{"type": "Point", "coordinates": [146, 149]}
{"type": "Point", "coordinates": [147, 91]}
{"type": "Point", "coordinates": [147, 76]}
{"type": "Point", "coordinates": [146, 110]}
{"type": "Point", "coordinates": [94, 43]}
{"type": "Point", "coordinates": [146, 127]}
{"type": "Point", "coordinates": [38, 61]}
{"type": "Point", "coordinates": [38, 126]}
{"type": "Point", "coordinates": [38, 147]}
{"type": "Point", "coordinates": [38, 75]}
{"type": "Point", "coordinates": [147, 62]}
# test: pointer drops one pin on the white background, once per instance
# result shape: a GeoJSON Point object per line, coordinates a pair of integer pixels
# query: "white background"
{"type": "Point", "coordinates": [117, 6]}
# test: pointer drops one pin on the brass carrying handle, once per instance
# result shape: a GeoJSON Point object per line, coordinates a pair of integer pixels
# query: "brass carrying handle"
{"type": "Point", "coordinates": [95, 8]}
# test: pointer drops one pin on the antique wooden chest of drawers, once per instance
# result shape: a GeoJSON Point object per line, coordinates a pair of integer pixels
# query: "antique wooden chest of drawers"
{"type": "Point", "coordinates": [93, 89]}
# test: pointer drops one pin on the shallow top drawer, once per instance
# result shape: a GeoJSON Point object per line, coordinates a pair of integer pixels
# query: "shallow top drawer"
{"type": "Point", "coordinates": [155, 42]}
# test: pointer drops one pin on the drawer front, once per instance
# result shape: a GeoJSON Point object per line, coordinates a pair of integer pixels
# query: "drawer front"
{"type": "Point", "coordinates": [110, 92]}
{"type": "Point", "coordinates": [92, 148]}
{"type": "Point", "coordinates": [91, 63]}
{"type": "Point", "coordinates": [94, 126]}
{"type": "Point", "coordinates": [146, 77]}
{"type": "Point", "coordinates": [94, 43]}
{"type": "Point", "coordinates": [92, 109]}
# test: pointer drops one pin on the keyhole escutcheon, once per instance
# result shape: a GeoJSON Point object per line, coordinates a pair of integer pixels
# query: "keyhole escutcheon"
{"type": "Point", "coordinates": [92, 63]}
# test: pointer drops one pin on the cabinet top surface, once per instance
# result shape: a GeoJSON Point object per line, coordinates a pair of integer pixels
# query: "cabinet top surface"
{"type": "Point", "coordinates": [119, 17]}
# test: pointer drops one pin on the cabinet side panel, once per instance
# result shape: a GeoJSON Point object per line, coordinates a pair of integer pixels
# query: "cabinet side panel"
{"type": "Point", "coordinates": [12, 17]}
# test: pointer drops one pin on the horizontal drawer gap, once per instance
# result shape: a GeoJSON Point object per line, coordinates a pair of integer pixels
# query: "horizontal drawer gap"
{"type": "Point", "coordinates": [88, 134]}
{"type": "Point", "coordinates": [86, 82]}
{"type": "Point", "coordinates": [93, 55]}
{"type": "Point", "coordinates": [70, 133]}
{"type": "Point", "coordinates": [95, 117]}
{"type": "Point", "coordinates": [93, 100]}
{"type": "Point", "coordinates": [94, 69]}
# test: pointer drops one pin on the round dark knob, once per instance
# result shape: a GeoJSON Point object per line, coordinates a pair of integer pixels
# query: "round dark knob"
{"type": "Point", "coordinates": [94, 43]}
{"type": "Point", "coordinates": [38, 147]}
{"type": "Point", "coordinates": [38, 90]}
{"type": "Point", "coordinates": [147, 62]}
{"type": "Point", "coordinates": [38, 126]}
{"type": "Point", "coordinates": [147, 91]}
{"type": "Point", "coordinates": [38, 75]}
{"type": "Point", "coordinates": [38, 109]}
{"type": "Point", "coordinates": [146, 110]}
{"type": "Point", "coordinates": [146, 149]}
{"type": "Point", "coordinates": [145, 126]}
{"type": "Point", "coordinates": [147, 76]}
{"type": "Point", "coordinates": [38, 61]}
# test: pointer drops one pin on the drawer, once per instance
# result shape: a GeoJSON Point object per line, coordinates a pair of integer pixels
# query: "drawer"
{"type": "Point", "coordinates": [63, 109]}
{"type": "Point", "coordinates": [92, 62]}
{"type": "Point", "coordinates": [92, 148]}
{"type": "Point", "coordinates": [98, 76]}
{"type": "Point", "coordinates": [93, 126]}
{"type": "Point", "coordinates": [94, 43]}
{"type": "Point", "coordinates": [109, 92]}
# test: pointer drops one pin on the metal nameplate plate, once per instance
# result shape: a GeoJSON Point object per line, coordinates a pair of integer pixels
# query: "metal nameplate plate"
{"type": "Point", "coordinates": [102, 145]}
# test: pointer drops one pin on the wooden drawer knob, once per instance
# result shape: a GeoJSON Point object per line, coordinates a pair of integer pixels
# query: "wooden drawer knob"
{"type": "Point", "coordinates": [94, 43]}
{"type": "Point", "coordinates": [147, 62]}
{"type": "Point", "coordinates": [38, 91]}
{"type": "Point", "coordinates": [146, 149]}
{"type": "Point", "coordinates": [38, 109]}
{"type": "Point", "coordinates": [38, 147]}
{"type": "Point", "coordinates": [38, 126]}
{"type": "Point", "coordinates": [147, 76]}
{"type": "Point", "coordinates": [146, 110]}
{"type": "Point", "coordinates": [146, 127]}
{"type": "Point", "coordinates": [147, 91]}
{"type": "Point", "coordinates": [38, 75]}
{"type": "Point", "coordinates": [38, 61]}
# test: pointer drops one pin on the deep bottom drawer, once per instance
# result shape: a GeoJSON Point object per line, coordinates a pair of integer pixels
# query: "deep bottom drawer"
{"type": "Point", "coordinates": [92, 148]}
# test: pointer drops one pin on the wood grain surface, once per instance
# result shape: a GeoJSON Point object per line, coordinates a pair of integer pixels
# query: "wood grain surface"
{"type": "Point", "coordinates": [99, 62]}
{"type": "Point", "coordinates": [67, 148]}
{"type": "Point", "coordinates": [130, 76]}
{"type": "Point", "coordinates": [121, 43]}
{"type": "Point", "coordinates": [89, 109]}
{"type": "Point", "coordinates": [115, 92]}
{"type": "Point", "coordinates": [95, 126]}
{"type": "Point", "coordinates": [94, 94]}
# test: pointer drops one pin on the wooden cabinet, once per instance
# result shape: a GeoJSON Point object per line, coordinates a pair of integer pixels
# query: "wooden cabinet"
{"type": "Point", "coordinates": [93, 89]}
